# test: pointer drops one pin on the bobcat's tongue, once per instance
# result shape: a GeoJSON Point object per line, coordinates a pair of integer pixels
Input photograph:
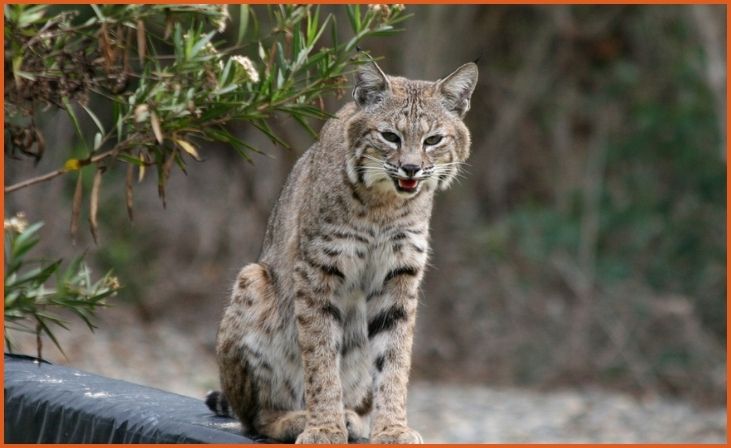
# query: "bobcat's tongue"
{"type": "Point", "coordinates": [407, 184]}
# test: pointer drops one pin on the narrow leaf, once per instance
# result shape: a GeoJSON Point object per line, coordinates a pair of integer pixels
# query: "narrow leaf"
{"type": "Point", "coordinates": [128, 191]}
{"type": "Point", "coordinates": [76, 208]}
{"type": "Point", "coordinates": [189, 148]}
{"type": "Point", "coordinates": [243, 23]}
{"type": "Point", "coordinates": [70, 110]}
{"type": "Point", "coordinates": [131, 159]}
{"type": "Point", "coordinates": [141, 41]}
{"type": "Point", "coordinates": [94, 203]}
{"type": "Point", "coordinates": [94, 119]}
{"type": "Point", "coordinates": [202, 43]}
{"type": "Point", "coordinates": [155, 122]}
{"type": "Point", "coordinates": [163, 175]}
{"type": "Point", "coordinates": [42, 325]}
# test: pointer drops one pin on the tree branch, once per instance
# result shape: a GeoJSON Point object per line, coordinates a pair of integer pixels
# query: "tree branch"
{"type": "Point", "coordinates": [56, 173]}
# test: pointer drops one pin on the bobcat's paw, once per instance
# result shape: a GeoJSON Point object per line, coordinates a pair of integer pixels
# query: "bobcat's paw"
{"type": "Point", "coordinates": [397, 434]}
{"type": "Point", "coordinates": [322, 435]}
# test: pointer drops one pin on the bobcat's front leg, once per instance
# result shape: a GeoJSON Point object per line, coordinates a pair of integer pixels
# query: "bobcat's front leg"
{"type": "Point", "coordinates": [391, 317]}
{"type": "Point", "coordinates": [319, 326]}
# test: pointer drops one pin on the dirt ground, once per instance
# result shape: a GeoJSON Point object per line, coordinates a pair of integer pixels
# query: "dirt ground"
{"type": "Point", "coordinates": [179, 358]}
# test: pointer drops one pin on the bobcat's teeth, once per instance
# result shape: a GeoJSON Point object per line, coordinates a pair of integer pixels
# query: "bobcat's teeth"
{"type": "Point", "coordinates": [408, 184]}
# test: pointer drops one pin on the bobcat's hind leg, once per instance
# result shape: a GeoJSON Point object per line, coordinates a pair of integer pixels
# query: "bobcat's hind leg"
{"type": "Point", "coordinates": [244, 369]}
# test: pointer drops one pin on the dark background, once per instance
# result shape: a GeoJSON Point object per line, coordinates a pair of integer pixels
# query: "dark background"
{"type": "Point", "coordinates": [584, 245]}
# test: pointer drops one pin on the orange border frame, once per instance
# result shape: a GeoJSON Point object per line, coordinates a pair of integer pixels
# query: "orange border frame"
{"type": "Point", "coordinates": [512, 2]}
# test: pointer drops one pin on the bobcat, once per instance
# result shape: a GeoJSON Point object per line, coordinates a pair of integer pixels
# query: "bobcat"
{"type": "Point", "coordinates": [318, 333]}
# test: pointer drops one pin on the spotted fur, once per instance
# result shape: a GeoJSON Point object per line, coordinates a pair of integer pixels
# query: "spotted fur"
{"type": "Point", "coordinates": [318, 333]}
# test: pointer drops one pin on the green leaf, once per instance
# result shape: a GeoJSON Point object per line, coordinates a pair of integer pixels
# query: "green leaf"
{"type": "Point", "coordinates": [263, 126]}
{"type": "Point", "coordinates": [70, 110]}
{"type": "Point", "coordinates": [179, 44]}
{"type": "Point", "coordinates": [227, 89]}
{"type": "Point", "coordinates": [95, 119]}
{"type": "Point", "coordinates": [36, 275]}
{"type": "Point", "coordinates": [243, 23]}
{"type": "Point", "coordinates": [71, 270]}
{"type": "Point", "coordinates": [201, 43]}
{"type": "Point", "coordinates": [48, 332]}
{"type": "Point", "coordinates": [31, 15]}
{"type": "Point", "coordinates": [322, 29]}
{"type": "Point", "coordinates": [225, 72]}
{"type": "Point", "coordinates": [334, 32]}
{"type": "Point", "coordinates": [131, 159]}
{"type": "Point", "coordinates": [97, 11]}
{"type": "Point", "coordinates": [303, 122]}
{"type": "Point", "coordinates": [26, 240]}
{"type": "Point", "coordinates": [350, 9]}
{"type": "Point", "coordinates": [48, 271]}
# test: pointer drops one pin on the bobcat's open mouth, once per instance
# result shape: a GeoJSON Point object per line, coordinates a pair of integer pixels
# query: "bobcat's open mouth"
{"type": "Point", "coordinates": [407, 185]}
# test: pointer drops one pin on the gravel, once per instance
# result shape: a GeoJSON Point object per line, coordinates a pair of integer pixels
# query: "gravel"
{"type": "Point", "coordinates": [180, 359]}
{"type": "Point", "coordinates": [454, 413]}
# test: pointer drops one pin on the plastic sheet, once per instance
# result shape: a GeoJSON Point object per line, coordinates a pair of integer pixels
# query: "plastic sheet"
{"type": "Point", "coordinates": [45, 403]}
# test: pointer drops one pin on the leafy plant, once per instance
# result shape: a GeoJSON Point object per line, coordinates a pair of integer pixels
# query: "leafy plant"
{"type": "Point", "coordinates": [32, 303]}
{"type": "Point", "coordinates": [170, 80]}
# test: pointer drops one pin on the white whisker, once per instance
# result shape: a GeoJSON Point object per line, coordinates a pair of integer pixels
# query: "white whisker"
{"type": "Point", "coordinates": [375, 159]}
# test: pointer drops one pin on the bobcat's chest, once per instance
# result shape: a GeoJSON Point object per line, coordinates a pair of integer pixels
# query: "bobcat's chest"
{"type": "Point", "coordinates": [366, 262]}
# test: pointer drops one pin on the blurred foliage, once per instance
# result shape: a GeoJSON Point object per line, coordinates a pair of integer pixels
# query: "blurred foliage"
{"type": "Point", "coordinates": [149, 86]}
{"type": "Point", "coordinates": [31, 304]}
{"type": "Point", "coordinates": [618, 232]}
{"type": "Point", "coordinates": [171, 80]}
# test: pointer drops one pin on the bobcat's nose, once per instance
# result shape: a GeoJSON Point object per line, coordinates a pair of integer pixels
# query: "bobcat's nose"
{"type": "Point", "coordinates": [411, 169]}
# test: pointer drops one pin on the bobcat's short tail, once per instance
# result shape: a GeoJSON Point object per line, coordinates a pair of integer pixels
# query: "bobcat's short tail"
{"type": "Point", "coordinates": [217, 402]}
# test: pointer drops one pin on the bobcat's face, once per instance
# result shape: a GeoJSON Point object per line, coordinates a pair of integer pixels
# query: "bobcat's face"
{"type": "Point", "coordinates": [409, 134]}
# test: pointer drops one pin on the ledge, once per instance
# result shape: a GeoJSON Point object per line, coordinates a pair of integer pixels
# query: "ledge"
{"type": "Point", "coordinates": [45, 403]}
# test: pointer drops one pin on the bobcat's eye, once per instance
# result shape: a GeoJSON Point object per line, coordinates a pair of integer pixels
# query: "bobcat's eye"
{"type": "Point", "coordinates": [391, 137]}
{"type": "Point", "coordinates": [433, 140]}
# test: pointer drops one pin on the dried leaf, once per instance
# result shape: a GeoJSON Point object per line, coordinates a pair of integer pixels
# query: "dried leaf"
{"type": "Point", "coordinates": [128, 191]}
{"type": "Point", "coordinates": [105, 47]}
{"type": "Point", "coordinates": [141, 41]}
{"type": "Point", "coordinates": [76, 209]}
{"type": "Point", "coordinates": [94, 202]}
{"type": "Point", "coordinates": [141, 174]}
{"type": "Point", "coordinates": [164, 176]}
{"type": "Point", "coordinates": [127, 46]}
{"type": "Point", "coordinates": [155, 122]}
{"type": "Point", "coordinates": [169, 22]}
{"type": "Point", "coordinates": [189, 148]}
{"type": "Point", "coordinates": [142, 113]}
{"type": "Point", "coordinates": [40, 145]}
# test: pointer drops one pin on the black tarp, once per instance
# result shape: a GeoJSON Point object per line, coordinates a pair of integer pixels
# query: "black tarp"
{"type": "Point", "coordinates": [45, 403]}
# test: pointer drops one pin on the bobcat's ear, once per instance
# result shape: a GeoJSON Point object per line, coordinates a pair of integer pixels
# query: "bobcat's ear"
{"type": "Point", "coordinates": [371, 84]}
{"type": "Point", "coordinates": [456, 89]}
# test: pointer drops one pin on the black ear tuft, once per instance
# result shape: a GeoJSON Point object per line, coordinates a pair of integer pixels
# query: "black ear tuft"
{"type": "Point", "coordinates": [371, 84]}
{"type": "Point", "coordinates": [457, 88]}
